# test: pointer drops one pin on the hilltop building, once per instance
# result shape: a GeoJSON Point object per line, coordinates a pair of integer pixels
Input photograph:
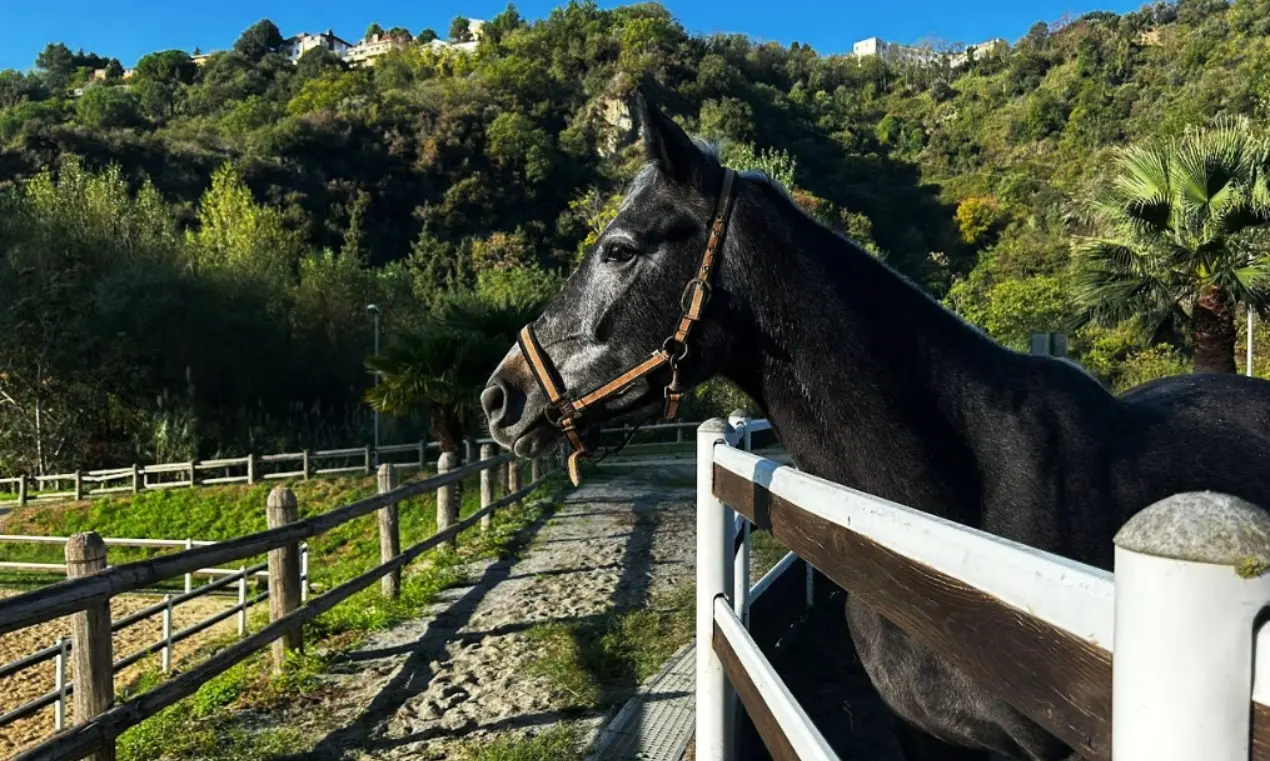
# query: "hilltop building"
{"type": "Point", "coordinates": [893, 52]}
{"type": "Point", "coordinates": [304, 42]}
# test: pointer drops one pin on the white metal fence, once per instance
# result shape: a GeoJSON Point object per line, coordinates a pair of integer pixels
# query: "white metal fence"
{"type": "Point", "coordinates": [59, 652]}
{"type": "Point", "coordinates": [1183, 612]}
{"type": "Point", "coordinates": [250, 469]}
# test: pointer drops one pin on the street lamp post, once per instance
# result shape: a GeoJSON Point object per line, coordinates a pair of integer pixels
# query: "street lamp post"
{"type": "Point", "coordinates": [374, 310]}
{"type": "Point", "coordinates": [1249, 367]}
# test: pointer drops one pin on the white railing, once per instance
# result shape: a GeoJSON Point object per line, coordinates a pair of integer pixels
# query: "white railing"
{"type": "Point", "coordinates": [1181, 612]}
{"type": "Point", "coordinates": [59, 652]}
{"type": "Point", "coordinates": [251, 469]}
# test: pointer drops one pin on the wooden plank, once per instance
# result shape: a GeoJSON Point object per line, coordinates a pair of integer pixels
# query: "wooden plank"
{"type": "Point", "coordinates": [85, 738]}
{"type": "Point", "coordinates": [1260, 732]}
{"type": "Point", "coordinates": [57, 600]}
{"type": "Point", "coordinates": [756, 707]}
{"type": "Point", "coordinates": [1059, 680]}
{"type": "Point", "coordinates": [91, 641]}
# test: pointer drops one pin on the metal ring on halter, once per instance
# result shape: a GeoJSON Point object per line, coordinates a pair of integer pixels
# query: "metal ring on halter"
{"type": "Point", "coordinates": [674, 357]}
{"type": "Point", "coordinates": [685, 298]}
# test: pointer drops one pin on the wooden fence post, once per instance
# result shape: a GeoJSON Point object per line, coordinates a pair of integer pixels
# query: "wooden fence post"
{"type": "Point", "coordinates": [423, 455]}
{"type": "Point", "coordinates": [22, 491]}
{"type": "Point", "coordinates": [1190, 572]}
{"type": "Point", "coordinates": [136, 478]}
{"type": "Point", "coordinates": [251, 469]}
{"type": "Point", "coordinates": [284, 573]}
{"type": "Point", "coordinates": [535, 469]}
{"type": "Point", "coordinates": [79, 486]}
{"type": "Point", "coordinates": [193, 472]}
{"type": "Point", "coordinates": [513, 480]}
{"type": "Point", "coordinates": [447, 507]}
{"type": "Point", "coordinates": [487, 486]}
{"type": "Point", "coordinates": [91, 648]}
{"type": "Point", "coordinates": [369, 470]}
{"type": "Point", "coordinates": [305, 463]}
{"type": "Point", "coordinates": [389, 533]}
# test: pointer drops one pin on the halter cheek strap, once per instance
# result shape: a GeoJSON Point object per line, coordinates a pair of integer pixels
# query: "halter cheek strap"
{"type": "Point", "coordinates": [696, 295]}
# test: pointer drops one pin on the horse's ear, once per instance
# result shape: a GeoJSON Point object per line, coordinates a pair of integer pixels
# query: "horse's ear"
{"type": "Point", "coordinates": [666, 144]}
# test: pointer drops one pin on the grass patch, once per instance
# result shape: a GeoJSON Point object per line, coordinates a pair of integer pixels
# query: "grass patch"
{"type": "Point", "coordinates": [217, 513]}
{"type": "Point", "coordinates": [559, 743]}
{"type": "Point", "coordinates": [207, 726]}
{"type": "Point", "coordinates": [599, 661]}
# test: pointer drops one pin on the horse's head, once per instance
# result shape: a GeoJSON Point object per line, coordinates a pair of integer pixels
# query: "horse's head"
{"type": "Point", "coordinates": [613, 327]}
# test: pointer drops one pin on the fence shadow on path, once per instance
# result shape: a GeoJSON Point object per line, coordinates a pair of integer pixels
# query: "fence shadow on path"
{"type": "Point", "coordinates": [415, 674]}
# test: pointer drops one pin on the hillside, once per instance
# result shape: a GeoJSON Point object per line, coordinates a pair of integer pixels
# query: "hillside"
{"type": "Point", "coordinates": [222, 304]}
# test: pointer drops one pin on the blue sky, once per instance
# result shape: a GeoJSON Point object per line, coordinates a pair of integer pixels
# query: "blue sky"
{"type": "Point", "coordinates": [127, 29]}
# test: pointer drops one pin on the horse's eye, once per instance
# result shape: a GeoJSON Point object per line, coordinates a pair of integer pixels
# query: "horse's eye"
{"type": "Point", "coordinates": [617, 251]}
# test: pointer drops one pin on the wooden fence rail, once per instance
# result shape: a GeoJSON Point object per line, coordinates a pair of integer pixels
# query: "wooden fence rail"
{"type": "Point", "coordinates": [1040, 628]}
{"type": "Point", "coordinates": [87, 596]}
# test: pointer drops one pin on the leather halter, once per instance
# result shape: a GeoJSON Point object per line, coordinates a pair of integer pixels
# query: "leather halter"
{"type": "Point", "coordinates": [693, 301]}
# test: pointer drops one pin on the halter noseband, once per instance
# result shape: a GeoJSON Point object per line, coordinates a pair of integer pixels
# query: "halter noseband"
{"type": "Point", "coordinates": [673, 350]}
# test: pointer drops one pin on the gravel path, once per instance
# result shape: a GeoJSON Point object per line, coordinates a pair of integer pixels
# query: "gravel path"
{"type": "Point", "coordinates": [462, 674]}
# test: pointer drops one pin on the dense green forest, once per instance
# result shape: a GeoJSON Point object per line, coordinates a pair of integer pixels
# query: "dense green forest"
{"type": "Point", "coordinates": [186, 253]}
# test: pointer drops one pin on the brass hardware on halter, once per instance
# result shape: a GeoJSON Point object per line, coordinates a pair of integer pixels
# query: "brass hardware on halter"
{"type": "Point", "coordinates": [674, 349]}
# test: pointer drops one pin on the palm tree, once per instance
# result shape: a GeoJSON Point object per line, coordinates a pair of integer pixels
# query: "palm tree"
{"type": "Point", "coordinates": [440, 366]}
{"type": "Point", "coordinates": [1179, 238]}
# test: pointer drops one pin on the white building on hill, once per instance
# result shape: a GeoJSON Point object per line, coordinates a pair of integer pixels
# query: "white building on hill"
{"type": "Point", "coordinates": [304, 42]}
{"type": "Point", "coordinates": [893, 52]}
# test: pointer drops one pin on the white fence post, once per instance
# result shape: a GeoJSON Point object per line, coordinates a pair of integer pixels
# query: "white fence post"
{"type": "Point", "coordinates": [242, 602]}
{"type": "Point", "coordinates": [1191, 577]}
{"type": "Point", "coordinates": [167, 634]}
{"type": "Point", "coordinates": [59, 683]}
{"type": "Point", "coordinates": [304, 573]}
{"type": "Point", "coordinates": [713, 562]}
{"type": "Point", "coordinates": [189, 577]}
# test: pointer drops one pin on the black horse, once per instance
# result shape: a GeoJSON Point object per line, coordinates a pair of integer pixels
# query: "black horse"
{"type": "Point", "coordinates": [871, 383]}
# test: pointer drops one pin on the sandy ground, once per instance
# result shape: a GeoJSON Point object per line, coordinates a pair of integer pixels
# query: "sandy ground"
{"type": "Point", "coordinates": [33, 682]}
{"type": "Point", "coordinates": [461, 674]}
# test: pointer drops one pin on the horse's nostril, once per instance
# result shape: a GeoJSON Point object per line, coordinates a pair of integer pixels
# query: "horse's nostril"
{"type": "Point", "coordinates": [493, 400]}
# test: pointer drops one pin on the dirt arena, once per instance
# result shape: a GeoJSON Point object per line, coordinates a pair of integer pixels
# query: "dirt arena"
{"type": "Point", "coordinates": [37, 680]}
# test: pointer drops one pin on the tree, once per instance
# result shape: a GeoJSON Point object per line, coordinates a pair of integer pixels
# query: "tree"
{"type": "Point", "coordinates": [315, 62]}
{"type": "Point", "coordinates": [440, 366]}
{"type": "Point", "coordinates": [57, 64]}
{"type": "Point", "coordinates": [260, 39]}
{"type": "Point", "coordinates": [172, 67]}
{"type": "Point", "coordinates": [425, 36]}
{"type": "Point", "coordinates": [1180, 237]}
{"type": "Point", "coordinates": [399, 33]}
{"type": "Point", "coordinates": [114, 70]}
{"type": "Point", "coordinates": [374, 30]}
{"type": "Point", "coordinates": [107, 107]}
{"type": "Point", "coordinates": [460, 30]}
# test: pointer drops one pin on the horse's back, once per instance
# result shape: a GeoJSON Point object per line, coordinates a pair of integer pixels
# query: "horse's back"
{"type": "Point", "coordinates": [1206, 431]}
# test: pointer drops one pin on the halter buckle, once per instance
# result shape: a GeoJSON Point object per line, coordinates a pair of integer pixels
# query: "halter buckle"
{"type": "Point", "coordinates": [689, 292]}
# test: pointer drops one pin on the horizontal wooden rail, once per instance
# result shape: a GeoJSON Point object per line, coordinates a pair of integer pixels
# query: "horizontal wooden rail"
{"type": "Point", "coordinates": [785, 728]}
{"type": "Point", "coordinates": [71, 596]}
{"type": "Point", "coordinates": [97, 733]}
{"type": "Point", "coordinates": [1058, 679]}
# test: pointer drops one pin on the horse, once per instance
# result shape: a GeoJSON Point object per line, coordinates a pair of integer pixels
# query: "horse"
{"type": "Point", "coordinates": [871, 383]}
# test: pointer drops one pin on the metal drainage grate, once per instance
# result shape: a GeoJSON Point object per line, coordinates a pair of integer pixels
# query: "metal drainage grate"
{"type": "Point", "coordinates": [657, 723]}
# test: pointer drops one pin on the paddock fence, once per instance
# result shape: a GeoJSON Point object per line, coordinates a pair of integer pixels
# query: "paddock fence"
{"type": "Point", "coordinates": [253, 468]}
{"type": "Point", "coordinates": [91, 584]}
{"type": "Point", "coordinates": [1183, 612]}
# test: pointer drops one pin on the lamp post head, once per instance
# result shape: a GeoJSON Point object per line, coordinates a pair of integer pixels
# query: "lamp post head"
{"type": "Point", "coordinates": [372, 308]}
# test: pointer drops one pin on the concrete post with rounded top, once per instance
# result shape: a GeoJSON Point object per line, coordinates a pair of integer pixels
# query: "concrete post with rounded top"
{"type": "Point", "coordinates": [714, 560]}
{"type": "Point", "coordinates": [284, 573]}
{"type": "Point", "coordinates": [447, 503]}
{"type": "Point", "coordinates": [389, 533]}
{"type": "Point", "coordinates": [91, 647]}
{"type": "Point", "coordinates": [1190, 575]}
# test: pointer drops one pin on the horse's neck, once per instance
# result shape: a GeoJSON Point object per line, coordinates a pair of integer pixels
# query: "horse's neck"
{"type": "Point", "coordinates": [868, 382]}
